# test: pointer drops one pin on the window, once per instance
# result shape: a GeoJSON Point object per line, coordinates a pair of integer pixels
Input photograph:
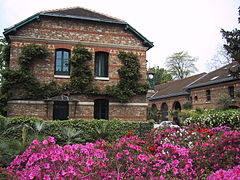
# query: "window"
{"type": "Point", "coordinates": [208, 95]}
{"type": "Point", "coordinates": [101, 64]}
{"type": "Point", "coordinates": [62, 62]}
{"type": "Point", "coordinates": [164, 109]}
{"type": "Point", "coordinates": [195, 98]}
{"type": "Point", "coordinates": [101, 109]}
{"type": "Point", "coordinates": [231, 91]}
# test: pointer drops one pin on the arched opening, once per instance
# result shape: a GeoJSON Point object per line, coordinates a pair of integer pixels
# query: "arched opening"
{"type": "Point", "coordinates": [177, 108]}
{"type": "Point", "coordinates": [164, 109]}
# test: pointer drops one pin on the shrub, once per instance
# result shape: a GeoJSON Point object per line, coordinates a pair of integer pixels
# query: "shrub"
{"type": "Point", "coordinates": [164, 154]}
{"type": "Point", "coordinates": [115, 130]}
{"type": "Point", "coordinates": [215, 118]}
{"type": "Point", "coordinates": [224, 101]}
{"type": "Point", "coordinates": [221, 174]}
{"type": "Point", "coordinates": [187, 105]}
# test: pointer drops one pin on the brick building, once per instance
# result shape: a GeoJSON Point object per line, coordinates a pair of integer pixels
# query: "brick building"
{"type": "Point", "coordinates": [60, 31]}
{"type": "Point", "coordinates": [201, 89]}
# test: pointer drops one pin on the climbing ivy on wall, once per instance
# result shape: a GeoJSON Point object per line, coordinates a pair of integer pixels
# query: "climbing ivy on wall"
{"type": "Point", "coordinates": [81, 75]}
{"type": "Point", "coordinates": [129, 74]}
{"type": "Point", "coordinates": [22, 83]}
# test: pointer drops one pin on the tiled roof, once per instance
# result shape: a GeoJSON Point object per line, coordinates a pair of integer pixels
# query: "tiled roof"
{"type": "Point", "coordinates": [174, 88]}
{"type": "Point", "coordinates": [218, 76]}
{"type": "Point", "coordinates": [79, 12]}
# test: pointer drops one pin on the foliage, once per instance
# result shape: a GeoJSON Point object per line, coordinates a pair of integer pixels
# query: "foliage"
{"type": "Point", "coordinates": [224, 101]}
{"type": "Point", "coordinates": [221, 174]}
{"type": "Point", "coordinates": [215, 118]}
{"type": "Point", "coordinates": [154, 113]}
{"type": "Point", "coordinates": [181, 65]}
{"type": "Point", "coordinates": [232, 47]}
{"type": "Point", "coordinates": [22, 83]}
{"type": "Point", "coordinates": [187, 105]}
{"type": "Point", "coordinates": [188, 153]}
{"type": "Point", "coordinates": [129, 74]}
{"type": "Point", "coordinates": [31, 52]}
{"type": "Point", "coordinates": [161, 75]}
{"type": "Point", "coordinates": [81, 75]}
{"type": "Point", "coordinates": [114, 129]}
{"type": "Point", "coordinates": [4, 53]}
{"type": "Point", "coordinates": [72, 135]}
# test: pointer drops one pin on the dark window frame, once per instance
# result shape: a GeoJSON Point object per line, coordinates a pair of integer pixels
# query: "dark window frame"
{"type": "Point", "coordinates": [208, 95]}
{"type": "Point", "coordinates": [101, 64]}
{"type": "Point", "coordinates": [231, 91]}
{"type": "Point", "coordinates": [62, 72]}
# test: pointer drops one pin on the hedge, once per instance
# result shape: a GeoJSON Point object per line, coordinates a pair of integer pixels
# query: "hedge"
{"type": "Point", "coordinates": [216, 118]}
{"type": "Point", "coordinates": [89, 130]}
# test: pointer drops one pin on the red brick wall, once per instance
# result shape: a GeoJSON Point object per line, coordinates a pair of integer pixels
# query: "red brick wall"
{"type": "Point", "coordinates": [57, 33]}
{"type": "Point", "coordinates": [216, 90]}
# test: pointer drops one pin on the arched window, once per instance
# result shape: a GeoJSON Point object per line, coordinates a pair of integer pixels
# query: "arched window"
{"type": "Point", "coordinates": [164, 109]}
{"type": "Point", "coordinates": [177, 106]}
{"type": "Point", "coordinates": [62, 57]}
{"type": "Point", "coordinates": [101, 64]}
{"type": "Point", "coordinates": [101, 109]}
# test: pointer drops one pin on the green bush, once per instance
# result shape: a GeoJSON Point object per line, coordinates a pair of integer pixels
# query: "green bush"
{"type": "Point", "coordinates": [91, 130]}
{"type": "Point", "coordinates": [215, 118]}
{"type": "Point", "coordinates": [17, 133]}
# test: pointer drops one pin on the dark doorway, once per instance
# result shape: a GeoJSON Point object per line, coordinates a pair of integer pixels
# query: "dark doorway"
{"type": "Point", "coordinates": [101, 109]}
{"type": "Point", "coordinates": [177, 108]}
{"type": "Point", "coordinates": [60, 110]}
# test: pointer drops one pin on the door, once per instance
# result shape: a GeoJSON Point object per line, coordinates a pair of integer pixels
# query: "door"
{"type": "Point", "coordinates": [60, 110]}
{"type": "Point", "coordinates": [101, 108]}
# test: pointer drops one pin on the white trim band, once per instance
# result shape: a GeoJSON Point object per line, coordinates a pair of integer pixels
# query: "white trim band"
{"type": "Point", "coordinates": [25, 102]}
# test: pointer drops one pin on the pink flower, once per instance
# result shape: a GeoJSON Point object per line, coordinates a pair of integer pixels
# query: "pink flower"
{"type": "Point", "coordinates": [36, 142]}
{"type": "Point", "coordinates": [118, 156]}
{"type": "Point", "coordinates": [45, 142]}
{"type": "Point", "coordinates": [89, 162]}
{"type": "Point", "coordinates": [126, 152]}
{"type": "Point", "coordinates": [142, 157]}
{"type": "Point", "coordinates": [46, 177]}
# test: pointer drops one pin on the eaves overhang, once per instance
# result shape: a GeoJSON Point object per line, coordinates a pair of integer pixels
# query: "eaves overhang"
{"type": "Point", "coordinates": [169, 96]}
{"type": "Point", "coordinates": [13, 29]}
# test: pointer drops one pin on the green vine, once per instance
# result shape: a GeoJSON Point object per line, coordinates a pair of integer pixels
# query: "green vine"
{"type": "Point", "coordinates": [130, 75]}
{"type": "Point", "coordinates": [31, 52]}
{"type": "Point", "coordinates": [81, 76]}
{"type": "Point", "coordinates": [22, 84]}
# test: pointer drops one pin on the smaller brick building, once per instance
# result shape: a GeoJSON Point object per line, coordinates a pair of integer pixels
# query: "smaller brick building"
{"type": "Point", "coordinates": [201, 89]}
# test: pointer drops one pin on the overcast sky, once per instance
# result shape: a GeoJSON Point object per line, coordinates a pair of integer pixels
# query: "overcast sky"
{"type": "Point", "coordinates": [172, 25]}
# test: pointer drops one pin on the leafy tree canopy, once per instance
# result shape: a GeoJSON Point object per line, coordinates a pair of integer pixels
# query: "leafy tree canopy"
{"type": "Point", "coordinates": [181, 65]}
{"type": "Point", "coordinates": [161, 75]}
{"type": "Point", "coordinates": [233, 45]}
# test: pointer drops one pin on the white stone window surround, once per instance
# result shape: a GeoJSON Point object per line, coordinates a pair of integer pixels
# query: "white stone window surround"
{"type": "Point", "coordinates": [102, 78]}
{"type": "Point", "coordinates": [62, 76]}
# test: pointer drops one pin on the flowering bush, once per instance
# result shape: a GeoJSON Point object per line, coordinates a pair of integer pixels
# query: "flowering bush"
{"type": "Point", "coordinates": [188, 153]}
{"type": "Point", "coordinates": [215, 118]}
{"type": "Point", "coordinates": [231, 174]}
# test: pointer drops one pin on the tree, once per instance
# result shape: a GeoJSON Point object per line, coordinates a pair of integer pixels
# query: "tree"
{"type": "Point", "coordinates": [161, 75]}
{"type": "Point", "coordinates": [181, 65]}
{"type": "Point", "coordinates": [232, 46]}
{"type": "Point", "coordinates": [220, 59]}
{"type": "Point", "coordinates": [4, 55]}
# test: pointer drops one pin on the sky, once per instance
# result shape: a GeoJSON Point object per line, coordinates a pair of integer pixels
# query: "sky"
{"type": "Point", "coordinates": [172, 25]}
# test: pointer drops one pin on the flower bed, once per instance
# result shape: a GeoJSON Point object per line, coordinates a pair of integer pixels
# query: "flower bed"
{"type": "Point", "coordinates": [191, 153]}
